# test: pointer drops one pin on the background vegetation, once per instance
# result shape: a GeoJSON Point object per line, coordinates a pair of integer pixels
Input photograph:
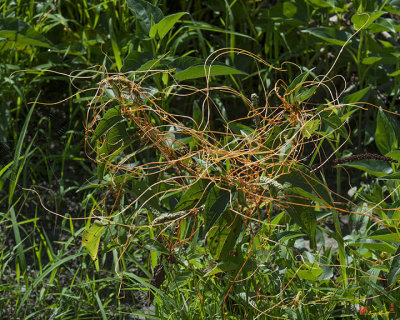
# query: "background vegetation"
{"type": "Point", "coordinates": [212, 204]}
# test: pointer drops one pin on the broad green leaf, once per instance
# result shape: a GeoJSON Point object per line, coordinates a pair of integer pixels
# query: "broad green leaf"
{"type": "Point", "coordinates": [394, 267]}
{"type": "Point", "coordinates": [395, 73]}
{"type": "Point", "coordinates": [393, 176]}
{"type": "Point", "coordinates": [395, 155]}
{"type": "Point", "coordinates": [111, 118]}
{"type": "Point", "coordinates": [241, 129]}
{"type": "Point", "coordinates": [192, 195]}
{"type": "Point", "coordinates": [371, 245]}
{"type": "Point", "coordinates": [91, 238]}
{"type": "Point", "coordinates": [297, 82]}
{"type": "Point", "coordinates": [216, 203]}
{"type": "Point", "coordinates": [231, 265]}
{"type": "Point", "coordinates": [304, 93]}
{"type": "Point", "coordinates": [357, 96]}
{"type": "Point", "coordinates": [112, 143]}
{"type": "Point", "coordinates": [286, 235]}
{"type": "Point", "coordinates": [223, 235]}
{"type": "Point", "coordinates": [393, 6]}
{"type": "Point", "coordinates": [165, 25]}
{"type": "Point", "coordinates": [203, 71]}
{"type": "Point", "coordinates": [309, 273]}
{"type": "Point", "coordinates": [322, 3]}
{"type": "Point", "coordinates": [198, 123]}
{"type": "Point", "coordinates": [371, 60]}
{"type": "Point", "coordinates": [20, 34]}
{"type": "Point", "coordinates": [289, 9]}
{"type": "Point", "coordinates": [145, 195]}
{"type": "Point", "coordinates": [183, 63]}
{"type": "Point", "coordinates": [330, 35]}
{"type": "Point", "coordinates": [373, 167]}
{"type": "Point", "coordinates": [364, 19]}
{"type": "Point", "coordinates": [306, 184]}
{"type": "Point", "coordinates": [332, 120]}
{"type": "Point", "coordinates": [135, 59]}
{"type": "Point", "coordinates": [309, 128]}
{"type": "Point", "coordinates": [300, 211]}
{"type": "Point", "coordinates": [303, 187]}
{"type": "Point", "coordinates": [387, 234]}
{"type": "Point", "coordinates": [146, 12]}
{"type": "Point", "coordinates": [383, 24]}
{"type": "Point", "coordinates": [385, 135]}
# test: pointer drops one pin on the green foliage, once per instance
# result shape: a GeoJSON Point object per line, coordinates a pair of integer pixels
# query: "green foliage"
{"type": "Point", "coordinates": [227, 208]}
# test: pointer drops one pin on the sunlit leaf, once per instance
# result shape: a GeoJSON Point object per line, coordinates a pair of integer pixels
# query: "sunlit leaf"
{"type": "Point", "coordinates": [203, 71]}
{"type": "Point", "coordinates": [372, 245]}
{"type": "Point", "coordinates": [309, 128]}
{"type": "Point", "coordinates": [310, 273]}
{"type": "Point", "coordinates": [357, 96]}
{"type": "Point", "coordinates": [21, 34]}
{"type": "Point", "coordinates": [364, 19]}
{"type": "Point", "coordinates": [373, 167]}
{"type": "Point", "coordinates": [165, 25]}
{"type": "Point", "coordinates": [91, 238]}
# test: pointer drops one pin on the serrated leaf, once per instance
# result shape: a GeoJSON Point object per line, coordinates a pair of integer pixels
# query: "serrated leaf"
{"type": "Point", "coordinates": [91, 238]}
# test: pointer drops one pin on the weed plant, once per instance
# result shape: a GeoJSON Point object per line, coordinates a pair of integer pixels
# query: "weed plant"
{"type": "Point", "coordinates": [202, 186]}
